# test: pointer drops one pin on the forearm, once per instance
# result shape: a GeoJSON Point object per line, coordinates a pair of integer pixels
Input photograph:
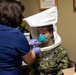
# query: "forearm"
{"type": "Point", "coordinates": [29, 57]}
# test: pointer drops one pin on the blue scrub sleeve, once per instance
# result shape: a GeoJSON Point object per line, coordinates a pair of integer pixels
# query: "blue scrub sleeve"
{"type": "Point", "coordinates": [22, 44]}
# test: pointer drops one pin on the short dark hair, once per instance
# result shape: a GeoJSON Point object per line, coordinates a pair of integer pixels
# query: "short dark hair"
{"type": "Point", "coordinates": [11, 12]}
{"type": "Point", "coordinates": [50, 28]}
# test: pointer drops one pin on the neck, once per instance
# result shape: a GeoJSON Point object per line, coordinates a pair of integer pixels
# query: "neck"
{"type": "Point", "coordinates": [49, 42]}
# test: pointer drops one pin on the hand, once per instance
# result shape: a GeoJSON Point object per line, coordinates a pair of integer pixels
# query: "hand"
{"type": "Point", "coordinates": [37, 50]}
{"type": "Point", "coordinates": [33, 42]}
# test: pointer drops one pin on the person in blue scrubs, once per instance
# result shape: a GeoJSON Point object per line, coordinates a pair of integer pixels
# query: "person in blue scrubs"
{"type": "Point", "coordinates": [14, 47]}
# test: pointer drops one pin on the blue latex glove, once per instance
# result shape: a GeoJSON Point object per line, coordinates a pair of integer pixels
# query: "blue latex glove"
{"type": "Point", "coordinates": [33, 42]}
{"type": "Point", "coordinates": [37, 50]}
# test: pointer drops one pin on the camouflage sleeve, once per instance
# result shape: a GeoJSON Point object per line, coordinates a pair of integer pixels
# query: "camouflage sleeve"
{"type": "Point", "coordinates": [63, 61]}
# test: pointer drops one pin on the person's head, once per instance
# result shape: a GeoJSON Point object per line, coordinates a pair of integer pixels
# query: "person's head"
{"type": "Point", "coordinates": [45, 33]}
{"type": "Point", "coordinates": [11, 12]}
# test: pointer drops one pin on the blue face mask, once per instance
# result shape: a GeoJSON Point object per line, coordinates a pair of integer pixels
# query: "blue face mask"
{"type": "Point", "coordinates": [42, 38]}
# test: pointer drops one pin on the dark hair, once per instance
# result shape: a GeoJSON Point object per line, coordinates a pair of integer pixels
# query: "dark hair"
{"type": "Point", "coordinates": [11, 13]}
{"type": "Point", "coordinates": [50, 28]}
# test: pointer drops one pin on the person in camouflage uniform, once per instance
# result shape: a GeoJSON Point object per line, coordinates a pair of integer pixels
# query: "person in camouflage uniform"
{"type": "Point", "coordinates": [51, 61]}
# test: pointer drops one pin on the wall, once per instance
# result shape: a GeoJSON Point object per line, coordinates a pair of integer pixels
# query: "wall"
{"type": "Point", "coordinates": [31, 7]}
{"type": "Point", "coordinates": [66, 22]}
{"type": "Point", "coordinates": [67, 26]}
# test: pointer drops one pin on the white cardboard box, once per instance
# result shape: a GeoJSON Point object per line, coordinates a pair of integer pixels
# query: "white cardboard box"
{"type": "Point", "coordinates": [69, 71]}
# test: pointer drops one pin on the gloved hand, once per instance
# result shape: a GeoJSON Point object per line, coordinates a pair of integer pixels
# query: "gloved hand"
{"type": "Point", "coordinates": [37, 50]}
{"type": "Point", "coordinates": [33, 42]}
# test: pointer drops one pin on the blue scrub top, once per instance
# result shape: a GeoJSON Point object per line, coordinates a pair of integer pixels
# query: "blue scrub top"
{"type": "Point", "coordinates": [13, 45]}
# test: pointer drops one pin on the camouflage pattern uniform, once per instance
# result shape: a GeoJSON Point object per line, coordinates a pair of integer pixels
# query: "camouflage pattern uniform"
{"type": "Point", "coordinates": [51, 62]}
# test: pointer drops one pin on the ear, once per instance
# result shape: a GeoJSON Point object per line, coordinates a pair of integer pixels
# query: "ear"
{"type": "Point", "coordinates": [51, 33]}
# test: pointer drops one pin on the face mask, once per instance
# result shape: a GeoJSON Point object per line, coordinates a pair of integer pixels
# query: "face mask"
{"type": "Point", "coordinates": [42, 38]}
